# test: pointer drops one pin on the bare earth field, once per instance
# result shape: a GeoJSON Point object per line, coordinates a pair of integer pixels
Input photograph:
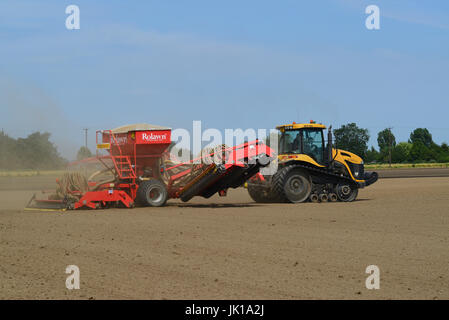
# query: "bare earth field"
{"type": "Point", "coordinates": [231, 248]}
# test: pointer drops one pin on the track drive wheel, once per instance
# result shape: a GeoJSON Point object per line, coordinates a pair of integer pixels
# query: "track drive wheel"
{"type": "Point", "coordinates": [293, 184]}
{"type": "Point", "coordinates": [345, 193]}
{"type": "Point", "coordinates": [152, 193]}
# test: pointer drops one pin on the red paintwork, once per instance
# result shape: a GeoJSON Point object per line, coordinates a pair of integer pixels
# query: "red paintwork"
{"type": "Point", "coordinates": [131, 154]}
{"type": "Point", "coordinates": [137, 152]}
{"type": "Point", "coordinates": [92, 199]}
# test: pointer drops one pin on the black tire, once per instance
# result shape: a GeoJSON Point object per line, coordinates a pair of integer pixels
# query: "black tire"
{"type": "Point", "coordinates": [261, 194]}
{"type": "Point", "coordinates": [292, 184]}
{"type": "Point", "coordinates": [345, 193]}
{"type": "Point", "coordinates": [152, 193]}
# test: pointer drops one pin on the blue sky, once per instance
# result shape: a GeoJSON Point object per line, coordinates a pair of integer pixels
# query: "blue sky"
{"type": "Point", "coordinates": [231, 64]}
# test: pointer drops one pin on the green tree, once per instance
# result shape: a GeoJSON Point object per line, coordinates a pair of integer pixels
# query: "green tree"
{"type": "Point", "coordinates": [385, 139]}
{"type": "Point", "coordinates": [8, 151]}
{"type": "Point", "coordinates": [419, 152]}
{"type": "Point", "coordinates": [423, 135]}
{"type": "Point", "coordinates": [352, 138]}
{"type": "Point", "coordinates": [444, 154]}
{"type": "Point", "coordinates": [37, 152]}
{"type": "Point", "coordinates": [435, 151]}
{"type": "Point", "coordinates": [83, 153]}
{"type": "Point", "coordinates": [401, 152]}
{"type": "Point", "coordinates": [372, 155]}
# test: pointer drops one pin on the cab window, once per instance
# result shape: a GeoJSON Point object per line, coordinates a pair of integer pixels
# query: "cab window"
{"type": "Point", "coordinates": [290, 142]}
{"type": "Point", "coordinates": [312, 140]}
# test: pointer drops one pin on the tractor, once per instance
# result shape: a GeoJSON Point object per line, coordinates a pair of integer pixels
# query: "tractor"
{"type": "Point", "coordinates": [310, 170]}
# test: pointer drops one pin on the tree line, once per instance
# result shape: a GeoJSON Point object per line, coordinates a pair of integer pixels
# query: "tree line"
{"type": "Point", "coordinates": [34, 152]}
{"type": "Point", "coordinates": [420, 146]}
{"type": "Point", "coordinates": [37, 152]}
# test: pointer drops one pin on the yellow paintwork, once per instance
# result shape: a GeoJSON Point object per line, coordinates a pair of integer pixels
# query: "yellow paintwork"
{"type": "Point", "coordinates": [340, 158]}
{"type": "Point", "coordinates": [341, 155]}
{"type": "Point", "coordinates": [40, 209]}
{"type": "Point", "coordinates": [298, 157]}
{"type": "Point", "coordinates": [103, 146]}
{"type": "Point", "coordinates": [294, 126]}
{"type": "Point", "coordinates": [351, 157]}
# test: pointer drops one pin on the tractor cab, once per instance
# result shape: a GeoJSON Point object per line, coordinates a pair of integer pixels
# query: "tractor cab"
{"type": "Point", "coordinates": [305, 139]}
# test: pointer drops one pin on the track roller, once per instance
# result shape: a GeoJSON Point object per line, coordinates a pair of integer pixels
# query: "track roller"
{"type": "Point", "coordinates": [324, 197]}
{"type": "Point", "coordinates": [313, 198]}
{"type": "Point", "coordinates": [333, 197]}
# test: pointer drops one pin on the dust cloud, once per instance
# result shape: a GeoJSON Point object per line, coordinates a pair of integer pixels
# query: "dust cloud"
{"type": "Point", "coordinates": [27, 108]}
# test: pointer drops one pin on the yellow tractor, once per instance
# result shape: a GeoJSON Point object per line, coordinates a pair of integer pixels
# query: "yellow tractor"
{"type": "Point", "coordinates": [311, 170]}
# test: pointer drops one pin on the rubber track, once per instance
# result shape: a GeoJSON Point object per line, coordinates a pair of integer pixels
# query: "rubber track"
{"type": "Point", "coordinates": [279, 177]}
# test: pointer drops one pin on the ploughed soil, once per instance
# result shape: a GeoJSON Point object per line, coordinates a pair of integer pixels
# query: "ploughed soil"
{"type": "Point", "coordinates": [231, 247]}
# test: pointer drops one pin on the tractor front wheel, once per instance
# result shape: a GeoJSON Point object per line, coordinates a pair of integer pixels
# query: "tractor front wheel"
{"type": "Point", "coordinates": [152, 193]}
